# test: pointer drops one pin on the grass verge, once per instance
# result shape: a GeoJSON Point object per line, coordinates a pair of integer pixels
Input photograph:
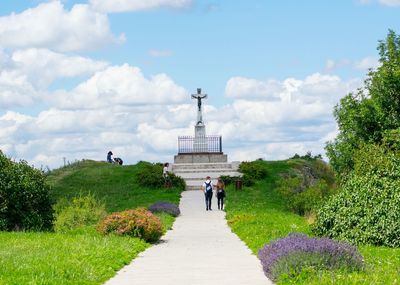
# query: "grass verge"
{"type": "Point", "coordinates": [49, 258]}
{"type": "Point", "coordinates": [257, 215]}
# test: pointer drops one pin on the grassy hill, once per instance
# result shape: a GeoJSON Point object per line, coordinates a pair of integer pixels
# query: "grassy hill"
{"type": "Point", "coordinates": [113, 184]}
{"type": "Point", "coordinates": [84, 256]}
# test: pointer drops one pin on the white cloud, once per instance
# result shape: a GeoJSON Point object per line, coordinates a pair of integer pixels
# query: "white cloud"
{"type": "Point", "coordinates": [136, 5]}
{"type": "Point", "coordinates": [43, 66]}
{"type": "Point", "coordinates": [363, 64]}
{"type": "Point", "coordinates": [121, 85]}
{"type": "Point", "coordinates": [16, 90]}
{"type": "Point", "coordinates": [26, 74]}
{"type": "Point", "coordinates": [50, 26]}
{"type": "Point", "coordinates": [367, 63]}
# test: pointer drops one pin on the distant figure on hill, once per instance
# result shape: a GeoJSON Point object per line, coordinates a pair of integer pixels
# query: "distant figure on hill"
{"type": "Point", "coordinates": [208, 192]}
{"type": "Point", "coordinates": [167, 179]}
{"type": "Point", "coordinates": [109, 157]}
{"type": "Point", "coordinates": [220, 193]}
{"type": "Point", "coordinates": [118, 160]}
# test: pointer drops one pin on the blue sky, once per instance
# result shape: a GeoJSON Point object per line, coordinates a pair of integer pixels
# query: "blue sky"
{"type": "Point", "coordinates": [78, 78]}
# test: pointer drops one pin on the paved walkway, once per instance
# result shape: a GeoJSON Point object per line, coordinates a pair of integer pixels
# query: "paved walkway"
{"type": "Point", "coordinates": [201, 249]}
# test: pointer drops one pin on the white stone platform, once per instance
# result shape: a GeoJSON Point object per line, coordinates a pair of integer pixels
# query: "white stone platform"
{"type": "Point", "coordinates": [195, 174]}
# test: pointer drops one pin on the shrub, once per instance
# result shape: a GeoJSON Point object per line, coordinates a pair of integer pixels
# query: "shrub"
{"type": "Point", "coordinates": [149, 175]}
{"type": "Point", "coordinates": [139, 223]}
{"type": "Point", "coordinates": [367, 209]}
{"type": "Point", "coordinates": [307, 186]}
{"type": "Point", "coordinates": [292, 254]}
{"type": "Point", "coordinates": [80, 212]}
{"type": "Point", "coordinates": [166, 208]}
{"type": "Point", "coordinates": [254, 170]}
{"type": "Point", "coordinates": [24, 197]}
{"type": "Point", "coordinates": [177, 182]}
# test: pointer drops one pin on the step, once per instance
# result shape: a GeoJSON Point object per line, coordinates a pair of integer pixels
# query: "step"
{"type": "Point", "coordinates": [203, 175]}
{"type": "Point", "coordinates": [203, 166]}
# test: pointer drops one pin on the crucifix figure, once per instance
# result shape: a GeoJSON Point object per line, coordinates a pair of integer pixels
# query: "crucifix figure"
{"type": "Point", "coordinates": [199, 96]}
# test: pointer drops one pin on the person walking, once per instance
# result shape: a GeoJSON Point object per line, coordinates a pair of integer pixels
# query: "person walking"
{"type": "Point", "coordinates": [220, 193]}
{"type": "Point", "coordinates": [167, 179]}
{"type": "Point", "coordinates": [208, 192]}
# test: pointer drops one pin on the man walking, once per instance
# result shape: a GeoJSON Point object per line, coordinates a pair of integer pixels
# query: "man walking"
{"type": "Point", "coordinates": [208, 192]}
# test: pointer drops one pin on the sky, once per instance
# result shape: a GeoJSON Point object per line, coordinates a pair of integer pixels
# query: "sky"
{"type": "Point", "coordinates": [80, 78]}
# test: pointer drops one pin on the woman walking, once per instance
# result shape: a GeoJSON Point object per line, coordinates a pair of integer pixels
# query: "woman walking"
{"type": "Point", "coordinates": [220, 193]}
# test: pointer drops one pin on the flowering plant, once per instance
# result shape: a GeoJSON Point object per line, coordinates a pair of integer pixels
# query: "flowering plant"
{"type": "Point", "coordinates": [165, 207]}
{"type": "Point", "coordinates": [139, 223]}
{"type": "Point", "coordinates": [297, 251]}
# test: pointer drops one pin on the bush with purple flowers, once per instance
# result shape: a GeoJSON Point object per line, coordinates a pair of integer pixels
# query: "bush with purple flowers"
{"type": "Point", "coordinates": [290, 255]}
{"type": "Point", "coordinates": [165, 207]}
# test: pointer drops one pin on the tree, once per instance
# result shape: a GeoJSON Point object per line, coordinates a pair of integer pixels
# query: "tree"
{"type": "Point", "coordinates": [364, 116]}
{"type": "Point", "coordinates": [24, 197]}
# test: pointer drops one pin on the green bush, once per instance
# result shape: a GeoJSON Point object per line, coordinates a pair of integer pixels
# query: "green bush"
{"type": "Point", "coordinates": [149, 175]}
{"type": "Point", "coordinates": [367, 210]}
{"type": "Point", "coordinates": [307, 186]}
{"type": "Point", "coordinates": [24, 197]}
{"type": "Point", "coordinates": [82, 211]}
{"type": "Point", "coordinates": [177, 182]}
{"type": "Point", "coordinates": [254, 170]}
{"type": "Point", "coordinates": [139, 223]}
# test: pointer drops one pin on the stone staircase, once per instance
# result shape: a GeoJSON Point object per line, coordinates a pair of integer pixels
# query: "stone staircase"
{"type": "Point", "coordinates": [195, 174]}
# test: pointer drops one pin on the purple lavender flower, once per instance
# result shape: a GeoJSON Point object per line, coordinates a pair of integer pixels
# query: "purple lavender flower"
{"type": "Point", "coordinates": [296, 251]}
{"type": "Point", "coordinates": [165, 207]}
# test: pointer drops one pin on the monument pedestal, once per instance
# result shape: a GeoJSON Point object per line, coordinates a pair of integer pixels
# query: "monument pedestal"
{"type": "Point", "coordinates": [200, 158]}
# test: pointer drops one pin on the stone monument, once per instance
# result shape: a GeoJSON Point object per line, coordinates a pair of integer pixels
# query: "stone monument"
{"type": "Point", "coordinates": [200, 148]}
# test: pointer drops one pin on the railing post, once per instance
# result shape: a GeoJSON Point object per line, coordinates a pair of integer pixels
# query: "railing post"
{"type": "Point", "coordinates": [220, 144]}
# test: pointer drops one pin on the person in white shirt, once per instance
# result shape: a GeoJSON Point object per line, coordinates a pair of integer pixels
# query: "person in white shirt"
{"type": "Point", "coordinates": [208, 192]}
{"type": "Point", "coordinates": [167, 179]}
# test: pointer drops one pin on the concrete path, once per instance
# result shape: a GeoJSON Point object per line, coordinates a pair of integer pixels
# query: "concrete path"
{"type": "Point", "coordinates": [201, 249]}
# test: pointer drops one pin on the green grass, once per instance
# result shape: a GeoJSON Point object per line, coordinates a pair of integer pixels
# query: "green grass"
{"type": "Point", "coordinates": [48, 258]}
{"type": "Point", "coordinates": [258, 215]}
{"type": "Point", "coordinates": [82, 256]}
{"type": "Point", "coordinates": [112, 184]}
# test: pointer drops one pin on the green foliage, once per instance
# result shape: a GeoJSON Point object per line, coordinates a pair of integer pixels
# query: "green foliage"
{"type": "Point", "coordinates": [177, 182]}
{"type": "Point", "coordinates": [24, 197]}
{"type": "Point", "coordinates": [82, 211]}
{"type": "Point", "coordinates": [365, 116]}
{"type": "Point", "coordinates": [139, 223]}
{"type": "Point", "coordinates": [149, 175]}
{"type": "Point", "coordinates": [253, 170]}
{"type": "Point", "coordinates": [367, 210]}
{"type": "Point", "coordinates": [259, 215]}
{"type": "Point", "coordinates": [309, 183]}
{"type": "Point", "coordinates": [73, 259]}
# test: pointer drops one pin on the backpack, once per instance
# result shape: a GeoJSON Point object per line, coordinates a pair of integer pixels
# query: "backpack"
{"type": "Point", "coordinates": [208, 187]}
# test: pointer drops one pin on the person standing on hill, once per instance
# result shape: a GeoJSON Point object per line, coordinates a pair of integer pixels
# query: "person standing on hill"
{"type": "Point", "coordinates": [220, 193]}
{"type": "Point", "coordinates": [208, 192]}
{"type": "Point", "coordinates": [109, 157]}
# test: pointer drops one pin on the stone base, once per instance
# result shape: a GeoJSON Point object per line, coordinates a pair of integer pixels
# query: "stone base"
{"type": "Point", "coordinates": [200, 158]}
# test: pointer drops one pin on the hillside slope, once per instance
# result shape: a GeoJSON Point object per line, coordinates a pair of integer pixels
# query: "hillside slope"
{"type": "Point", "coordinates": [114, 185]}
